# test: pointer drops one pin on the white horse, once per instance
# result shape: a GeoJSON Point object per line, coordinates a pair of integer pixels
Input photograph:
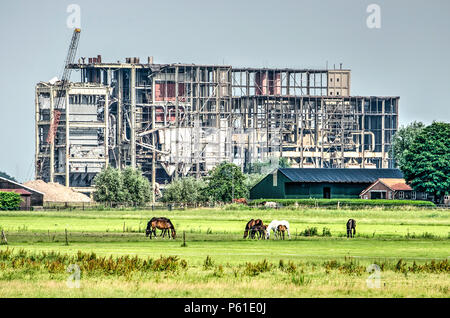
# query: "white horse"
{"type": "Point", "coordinates": [274, 227]}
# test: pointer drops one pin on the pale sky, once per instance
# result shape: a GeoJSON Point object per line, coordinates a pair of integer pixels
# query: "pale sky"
{"type": "Point", "coordinates": [409, 56]}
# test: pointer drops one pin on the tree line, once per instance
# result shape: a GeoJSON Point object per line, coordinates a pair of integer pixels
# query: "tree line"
{"type": "Point", "coordinates": [222, 184]}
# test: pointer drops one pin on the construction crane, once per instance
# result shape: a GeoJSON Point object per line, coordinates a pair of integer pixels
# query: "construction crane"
{"type": "Point", "coordinates": [64, 83]}
{"type": "Point", "coordinates": [61, 89]}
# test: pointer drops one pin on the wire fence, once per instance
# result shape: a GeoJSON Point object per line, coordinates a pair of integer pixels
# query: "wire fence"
{"type": "Point", "coordinates": [95, 206]}
{"type": "Point", "coordinates": [59, 206]}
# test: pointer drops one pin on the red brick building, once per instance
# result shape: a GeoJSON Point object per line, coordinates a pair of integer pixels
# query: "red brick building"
{"type": "Point", "coordinates": [392, 189]}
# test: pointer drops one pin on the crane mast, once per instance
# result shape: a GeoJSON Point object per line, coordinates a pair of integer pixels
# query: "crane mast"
{"type": "Point", "coordinates": [64, 83]}
{"type": "Point", "coordinates": [60, 91]}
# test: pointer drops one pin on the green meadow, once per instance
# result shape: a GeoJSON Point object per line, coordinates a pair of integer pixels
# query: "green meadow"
{"type": "Point", "coordinates": [410, 245]}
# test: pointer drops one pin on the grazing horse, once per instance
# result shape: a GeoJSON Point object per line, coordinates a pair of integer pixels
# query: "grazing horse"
{"type": "Point", "coordinates": [260, 229]}
{"type": "Point", "coordinates": [274, 227]}
{"type": "Point", "coordinates": [270, 205]}
{"type": "Point", "coordinates": [240, 200]}
{"type": "Point", "coordinates": [152, 229]}
{"type": "Point", "coordinates": [281, 229]}
{"type": "Point", "coordinates": [251, 224]}
{"type": "Point", "coordinates": [160, 223]}
{"type": "Point", "coordinates": [351, 225]}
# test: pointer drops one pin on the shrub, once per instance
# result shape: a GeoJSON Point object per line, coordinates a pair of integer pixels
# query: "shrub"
{"type": "Point", "coordinates": [10, 201]}
{"type": "Point", "coordinates": [254, 269]}
{"type": "Point", "coordinates": [169, 263]}
{"type": "Point", "coordinates": [290, 267]}
{"type": "Point", "coordinates": [310, 231]}
{"type": "Point", "coordinates": [185, 190]}
{"type": "Point", "coordinates": [218, 271]}
{"type": "Point", "coordinates": [345, 202]}
{"type": "Point", "coordinates": [326, 232]}
{"type": "Point", "coordinates": [349, 267]}
{"type": "Point", "coordinates": [235, 207]}
{"type": "Point", "coordinates": [208, 263]}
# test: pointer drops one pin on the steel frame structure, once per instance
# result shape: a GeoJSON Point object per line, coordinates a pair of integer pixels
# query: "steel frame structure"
{"type": "Point", "coordinates": [175, 120]}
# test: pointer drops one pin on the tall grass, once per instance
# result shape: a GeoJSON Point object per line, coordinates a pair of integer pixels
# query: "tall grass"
{"type": "Point", "coordinates": [89, 263]}
{"type": "Point", "coordinates": [171, 276]}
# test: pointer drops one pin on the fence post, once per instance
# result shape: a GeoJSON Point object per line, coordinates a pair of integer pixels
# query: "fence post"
{"type": "Point", "coordinates": [4, 239]}
{"type": "Point", "coordinates": [67, 240]}
{"type": "Point", "coordinates": [184, 239]}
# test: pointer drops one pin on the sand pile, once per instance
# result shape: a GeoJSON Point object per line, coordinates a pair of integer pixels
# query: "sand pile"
{"type": "Point", "coordinates": [55, 192]}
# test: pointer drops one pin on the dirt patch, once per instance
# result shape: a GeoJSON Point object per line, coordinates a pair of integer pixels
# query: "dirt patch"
{"type": "Point", "coordinates": [55, 192]}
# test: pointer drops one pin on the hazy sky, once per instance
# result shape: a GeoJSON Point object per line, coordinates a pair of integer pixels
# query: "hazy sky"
{"type": "Point", "coordinates": [409, 56]}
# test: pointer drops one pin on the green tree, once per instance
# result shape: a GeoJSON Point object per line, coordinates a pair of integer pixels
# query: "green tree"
{"type": "Point", "coordinates": [402, 140]}
{"type": "Point", "coordinates": [185, 190]}
{"type": "Point", "coordinates": [109, 186]}
{"type": "Point", "coordinates": [225, 182]}
{"type": "Point", "coordinates": [7, 176]}
{"type": "Point", "coordinates": [267, 166]}
{"type": "Point", "coordinates": [136, 187]}
{"type": "Point", "coordinates": [426, 163]}
{"type": "Point", "coordinates": [283, 162]}
{"type": "Point", "coordinates": [128, 186]}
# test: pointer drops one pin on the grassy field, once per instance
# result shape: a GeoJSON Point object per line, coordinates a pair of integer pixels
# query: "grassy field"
{"type": "Point", "coordinates": [410, 245]}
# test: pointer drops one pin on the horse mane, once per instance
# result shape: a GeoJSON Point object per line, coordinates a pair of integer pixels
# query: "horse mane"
{"type": "Point", "coordinates": [247, 226]}
{"type": "Point", "coordinates": [171, 225]}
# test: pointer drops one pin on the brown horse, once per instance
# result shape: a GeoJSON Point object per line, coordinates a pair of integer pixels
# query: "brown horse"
{"type": "Point", "coordinates": [351, 226]}
{"type": "Point", "coordinates": [240, 200]}
{"type": "Point", "coordinates": [160, 223]}
{"type": "Point", "coordinates": [281, 229]}
{"type": "Point", "coordinates": [251, 224]}
{"type": "Point", "coordinates": [260, 229]}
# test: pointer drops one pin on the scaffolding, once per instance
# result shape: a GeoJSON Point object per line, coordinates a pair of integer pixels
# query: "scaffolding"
{"type": "Point", "coordinates": [80, 145]}
{"type": "Point", "coordinates": [174, 120]}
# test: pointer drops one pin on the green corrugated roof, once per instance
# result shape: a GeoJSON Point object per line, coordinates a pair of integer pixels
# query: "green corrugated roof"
{"type": "Point", "coordinates": [346, 175]}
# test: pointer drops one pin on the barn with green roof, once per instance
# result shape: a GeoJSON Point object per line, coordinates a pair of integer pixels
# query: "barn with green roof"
{"type": "Point", "coordinates": [305, 183]}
